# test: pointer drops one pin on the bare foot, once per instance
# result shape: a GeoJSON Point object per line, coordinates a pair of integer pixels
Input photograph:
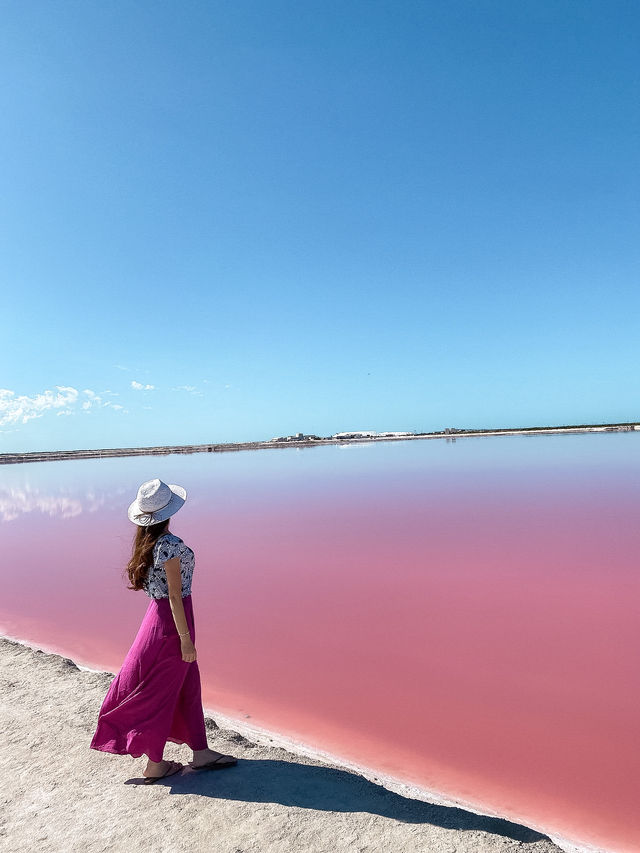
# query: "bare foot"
{"type": "Point", "coordinates": [156, 769]}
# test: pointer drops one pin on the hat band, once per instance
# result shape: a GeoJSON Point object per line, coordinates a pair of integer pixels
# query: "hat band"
{"type": "Point", "coordinates": [146, 516]}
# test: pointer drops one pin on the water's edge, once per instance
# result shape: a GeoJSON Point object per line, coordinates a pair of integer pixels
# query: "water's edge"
{"type": "Point", "coordinates": [269, 738]}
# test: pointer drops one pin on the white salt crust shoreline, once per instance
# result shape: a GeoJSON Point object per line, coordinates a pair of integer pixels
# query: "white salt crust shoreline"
{"type": "Point", "coordinates": [60, 795]}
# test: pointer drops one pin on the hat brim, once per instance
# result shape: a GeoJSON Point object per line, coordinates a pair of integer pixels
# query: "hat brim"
{"type": "Point", "coordinates": [145, 519]}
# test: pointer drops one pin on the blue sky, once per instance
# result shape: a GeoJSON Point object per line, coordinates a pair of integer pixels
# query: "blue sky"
{"type": "Point", "coordinates": [230, 221]}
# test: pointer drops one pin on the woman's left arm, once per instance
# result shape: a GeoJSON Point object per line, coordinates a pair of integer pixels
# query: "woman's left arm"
{"type": "Point", "coordinates": [174, 581]}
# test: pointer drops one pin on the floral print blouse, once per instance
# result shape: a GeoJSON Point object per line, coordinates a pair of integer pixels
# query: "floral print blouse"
{"type": "Point", "coordinates": [167, 546]}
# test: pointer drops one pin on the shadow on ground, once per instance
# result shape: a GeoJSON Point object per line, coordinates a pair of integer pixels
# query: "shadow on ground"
{"type": "Point", "coordinates": [329, 789]}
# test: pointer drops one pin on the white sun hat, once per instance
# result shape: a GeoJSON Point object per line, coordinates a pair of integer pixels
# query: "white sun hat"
{"type": "Point", "coordinates": [156, 501]}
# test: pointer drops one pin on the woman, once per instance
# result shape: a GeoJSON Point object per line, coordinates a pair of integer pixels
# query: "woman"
{"type": "Point", "coordinates": [155, 697]}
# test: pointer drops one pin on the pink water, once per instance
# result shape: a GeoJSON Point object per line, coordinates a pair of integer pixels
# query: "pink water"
{"type": "Point", "coordinates": [462, 617]}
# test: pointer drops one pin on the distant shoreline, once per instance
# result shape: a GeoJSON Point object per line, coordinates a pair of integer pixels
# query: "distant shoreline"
{"type": "Point", "coordinates": [305, 441]}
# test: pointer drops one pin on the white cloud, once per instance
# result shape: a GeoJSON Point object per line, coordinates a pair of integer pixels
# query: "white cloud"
{"type": "Point", "coordinates": [21, 408]}
{"type": "Point", "coordinates": [138, 386]}
{"type": "Point", "coordinates": [190, 389]}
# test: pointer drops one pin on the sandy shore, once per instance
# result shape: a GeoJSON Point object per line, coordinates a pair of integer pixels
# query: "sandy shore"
{"type": "Point", "coordinates": [59, 795]}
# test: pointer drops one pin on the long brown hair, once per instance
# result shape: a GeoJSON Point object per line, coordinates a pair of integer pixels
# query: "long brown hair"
{"type": "Point", "coordinates": [143, 542]}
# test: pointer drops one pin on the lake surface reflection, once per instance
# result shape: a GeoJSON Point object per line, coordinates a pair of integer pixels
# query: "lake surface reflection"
{"type": "Point", "coordinates": [460, 616]}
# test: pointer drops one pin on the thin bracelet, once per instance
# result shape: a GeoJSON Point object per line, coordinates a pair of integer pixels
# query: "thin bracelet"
{"type": "Point", "coordinates": [184, 633]}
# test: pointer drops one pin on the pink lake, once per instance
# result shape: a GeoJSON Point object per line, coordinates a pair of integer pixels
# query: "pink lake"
{"type": "Point", "coordinates": [460, 616]}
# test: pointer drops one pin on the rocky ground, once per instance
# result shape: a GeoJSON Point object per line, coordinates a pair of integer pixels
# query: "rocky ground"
{"type": "Point", "coordinates": [59, 795]}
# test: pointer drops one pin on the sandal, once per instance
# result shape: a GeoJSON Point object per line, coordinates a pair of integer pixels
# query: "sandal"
{"type": "Point", "coordinates": [174, 767]}
{"type": "Point", "coordinates": [216, 764]}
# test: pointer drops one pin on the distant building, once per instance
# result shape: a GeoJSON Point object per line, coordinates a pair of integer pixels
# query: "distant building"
{"type": "Point", "coordinates": [363, 433]}
{"type": "Point", "coordinates": [299, 436]}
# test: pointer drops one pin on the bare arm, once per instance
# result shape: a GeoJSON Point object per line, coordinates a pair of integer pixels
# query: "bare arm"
{"type": "Point", "coordinates": [174, 581]}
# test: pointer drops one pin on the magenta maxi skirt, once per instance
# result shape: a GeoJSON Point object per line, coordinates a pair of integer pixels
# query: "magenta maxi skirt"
{"type": "Point", "coordinates": [156, 696]}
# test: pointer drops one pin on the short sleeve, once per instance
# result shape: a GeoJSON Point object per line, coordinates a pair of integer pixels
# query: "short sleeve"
{"type": "Point", "coordinates": [166, 550]}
